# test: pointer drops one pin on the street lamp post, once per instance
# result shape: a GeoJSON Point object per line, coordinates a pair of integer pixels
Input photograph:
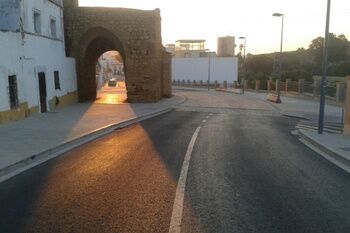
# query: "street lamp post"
{"type": "Point", "coordinates": [280, 60]}
{"type": "Point", "coordinates": [208, 82]}
{"type": "Point", "coordinates": [244, 65]}
{"type": "Point", "coordinates": [324, 71]}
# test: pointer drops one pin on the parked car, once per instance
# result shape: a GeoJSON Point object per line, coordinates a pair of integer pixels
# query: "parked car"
{"type": "Point", "coordinates": [112, 82]}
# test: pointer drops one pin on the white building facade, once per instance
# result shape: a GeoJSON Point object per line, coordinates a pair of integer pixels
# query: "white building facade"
{"type": "Point", "coordinates": [218, 69]}
{"type": "Point", "coordinates": [35, 74]}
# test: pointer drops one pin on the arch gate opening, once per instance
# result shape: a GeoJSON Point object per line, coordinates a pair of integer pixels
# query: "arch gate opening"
{"type": "Point", "coordinates": [110, 79]}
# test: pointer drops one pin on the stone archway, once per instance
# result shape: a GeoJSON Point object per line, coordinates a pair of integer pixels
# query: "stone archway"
{"type": "Point", "coordinates": [136, 34]}
{"type": "Point", "coordinates": [92, 45]}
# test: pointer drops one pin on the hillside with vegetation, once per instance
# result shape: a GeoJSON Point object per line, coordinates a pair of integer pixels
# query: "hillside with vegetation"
{"type": "Point", "coordinates": [300, 64]}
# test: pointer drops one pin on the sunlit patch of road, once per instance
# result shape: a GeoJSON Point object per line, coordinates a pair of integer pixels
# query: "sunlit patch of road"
{"type": "Point", "coordinates": [112, 95]}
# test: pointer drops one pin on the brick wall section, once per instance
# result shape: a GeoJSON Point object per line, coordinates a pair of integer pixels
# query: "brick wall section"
{"type": "Point", "coordinates": [136, 34]}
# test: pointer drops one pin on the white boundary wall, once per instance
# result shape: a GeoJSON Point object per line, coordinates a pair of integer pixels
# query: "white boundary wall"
{"type": "Point", "coordinates": [221, 69]}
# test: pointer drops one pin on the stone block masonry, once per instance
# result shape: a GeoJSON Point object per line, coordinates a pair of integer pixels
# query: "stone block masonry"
{"type": "Point", "coordinates": [135, 34]}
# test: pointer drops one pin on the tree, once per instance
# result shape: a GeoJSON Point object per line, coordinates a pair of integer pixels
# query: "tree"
{"type": "Point", "coordinates": [338, 49]}
{"type": "Point", "coordinates": [259, 63]}
{"type": "Point", "coordinates": [259, 67]}
{"type": "Point", "coordinates": [300, 64]}
{"type": "Point", "coordinates": [340, 69]}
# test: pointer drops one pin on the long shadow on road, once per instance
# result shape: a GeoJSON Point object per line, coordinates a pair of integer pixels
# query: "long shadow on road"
{"type": "Point", "coordinates": [123, 182]}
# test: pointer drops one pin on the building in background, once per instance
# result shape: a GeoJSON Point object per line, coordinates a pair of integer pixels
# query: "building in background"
{"type": "Point", "coordinates": [170, 48]}
{"type": "Point", "coordinates": [193, 62]}
{"type": "Point", "coordinates": [226, 46]}
{"type": "Point", "coordinates": [35, 74]}
{"type": "Point", "coordinates": [187, 48]}
{"type": "Point", "coordinates": [191, 44]}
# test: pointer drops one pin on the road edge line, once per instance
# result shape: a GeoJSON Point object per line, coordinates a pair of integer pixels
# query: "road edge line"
{"type": "Point", "coordinates": [176, 216]}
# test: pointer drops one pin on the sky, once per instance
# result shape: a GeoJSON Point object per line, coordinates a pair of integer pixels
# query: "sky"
{"type": "Point", "coordinates": [185, 19]}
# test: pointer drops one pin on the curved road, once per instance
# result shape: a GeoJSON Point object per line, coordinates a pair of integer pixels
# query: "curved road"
{"type": "Point", "coordinates": [246, 173]}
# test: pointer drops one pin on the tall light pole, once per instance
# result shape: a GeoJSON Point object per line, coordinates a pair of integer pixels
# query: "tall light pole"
{"type": "Point", "coordinates": [244, 65]}
{"type": "Point", "coordinates": [280, 60]}
{"type": "Point", "coordinates": [324, 71]}
{"type": "Point", "coordinates": [208, 82]}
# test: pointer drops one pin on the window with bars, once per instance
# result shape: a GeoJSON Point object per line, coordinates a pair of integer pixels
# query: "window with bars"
{"type": "Point", "coordinates": [13, 92]}
{"type": "Point", "coordinates": [57, 80]}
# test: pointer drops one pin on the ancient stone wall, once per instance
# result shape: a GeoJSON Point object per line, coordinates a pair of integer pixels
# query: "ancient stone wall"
{"type": "Point", "coordinates": [136, 34]}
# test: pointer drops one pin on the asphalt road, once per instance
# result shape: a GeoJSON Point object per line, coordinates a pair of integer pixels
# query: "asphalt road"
{"type": "Point", "coordinates": [247, 173]}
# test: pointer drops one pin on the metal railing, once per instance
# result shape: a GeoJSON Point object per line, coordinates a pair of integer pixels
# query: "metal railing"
{"type": "Point", "coordinates": [333, 90]}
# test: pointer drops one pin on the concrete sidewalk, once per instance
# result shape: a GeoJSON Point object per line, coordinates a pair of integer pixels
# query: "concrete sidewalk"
{"type": "Point", "coordinates": [299, 107]}
{"type": "Point", "coordinates": [334, 147]}
{"type": "Point", "coordinates": [302, 108]}
{"type": "Point", "coordinates": [22, 142]}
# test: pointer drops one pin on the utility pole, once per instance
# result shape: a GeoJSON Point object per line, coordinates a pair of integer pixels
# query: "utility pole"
{"type": "Point", "coordinates": [324, 71]}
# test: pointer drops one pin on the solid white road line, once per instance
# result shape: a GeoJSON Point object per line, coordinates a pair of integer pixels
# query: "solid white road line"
{"type": "Point", "coordinates": [175, 224]}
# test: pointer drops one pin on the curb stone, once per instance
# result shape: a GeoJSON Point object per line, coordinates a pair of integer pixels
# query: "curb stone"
{"type": "Point", "coordinates": [328, 153]}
